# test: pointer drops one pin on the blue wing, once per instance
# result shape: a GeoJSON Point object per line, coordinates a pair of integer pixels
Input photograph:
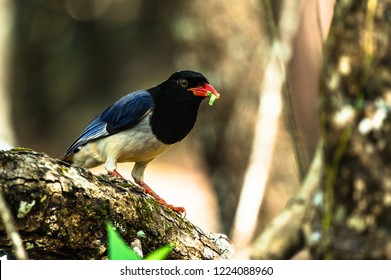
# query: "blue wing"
{"type": "Point", "coordinates": [123, 114]}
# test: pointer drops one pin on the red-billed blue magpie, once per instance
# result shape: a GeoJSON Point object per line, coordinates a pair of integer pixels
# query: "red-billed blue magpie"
{"type": "Point", "coordinates": [141, 126]}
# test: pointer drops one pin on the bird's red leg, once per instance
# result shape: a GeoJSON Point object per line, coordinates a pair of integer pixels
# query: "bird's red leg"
{"type": "Point", "coordinates": [180, 210]}
{"type": "Point", "coordinates": [115, 173]}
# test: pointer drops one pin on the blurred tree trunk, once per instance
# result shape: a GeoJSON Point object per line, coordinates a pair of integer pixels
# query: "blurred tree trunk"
{"type": "Point", "coordinates": [6, 22]}
{"type": "Point", "coordinates": [344, 208]}
{"type": "Point", "coordinates": [352, 213]}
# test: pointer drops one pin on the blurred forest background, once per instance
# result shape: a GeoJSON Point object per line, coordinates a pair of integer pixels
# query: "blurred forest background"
{"type": "Point", "coordinates": [64, 61]}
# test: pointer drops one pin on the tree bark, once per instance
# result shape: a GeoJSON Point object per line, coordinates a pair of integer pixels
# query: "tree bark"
{"type": "Point", "coordinates": [61, 212]}
{"type": "Point", "coordinates": [350, 219]}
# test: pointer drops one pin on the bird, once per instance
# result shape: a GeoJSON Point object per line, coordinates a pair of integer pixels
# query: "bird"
{"type": "Point", "coordinates": [142, 125]}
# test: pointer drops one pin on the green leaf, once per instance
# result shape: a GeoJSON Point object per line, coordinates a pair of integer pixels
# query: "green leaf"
{"type": "Point", "coordinates": [118, 249]}
{"type": "Point", "coordinates": [161, 253]}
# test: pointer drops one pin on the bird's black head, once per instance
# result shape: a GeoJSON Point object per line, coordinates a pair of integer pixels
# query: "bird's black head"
{"type": "Point", "coordinates": [176, 104]}
{"type": "Point", "coordinates": [185, 86]}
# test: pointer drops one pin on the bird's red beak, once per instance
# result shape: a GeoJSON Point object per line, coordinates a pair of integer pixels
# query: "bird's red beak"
{"type": "Point", "coordinates": [204, 91]}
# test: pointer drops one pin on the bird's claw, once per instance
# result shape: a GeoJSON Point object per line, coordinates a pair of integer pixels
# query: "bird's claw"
{"type": "Point", "coordinates": [181, 211]}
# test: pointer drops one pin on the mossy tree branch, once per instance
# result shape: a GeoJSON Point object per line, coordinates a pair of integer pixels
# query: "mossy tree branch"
{"type": "Point", "coordinates": [61, 213]}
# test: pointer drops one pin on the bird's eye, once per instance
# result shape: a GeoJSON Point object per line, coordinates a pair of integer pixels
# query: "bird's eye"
{"type": "Point", "coordinates": [183, 83]}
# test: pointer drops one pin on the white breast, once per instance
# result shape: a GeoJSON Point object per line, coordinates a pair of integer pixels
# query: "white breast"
{"type": "Point", "coordinates": [137, 144]}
